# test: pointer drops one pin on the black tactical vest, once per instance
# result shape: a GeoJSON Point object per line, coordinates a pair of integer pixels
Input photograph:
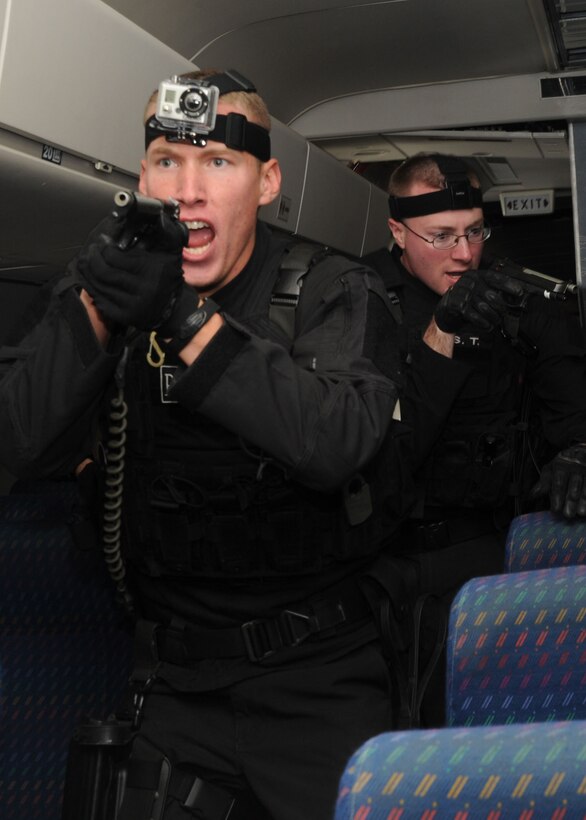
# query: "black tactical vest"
{"type": "Point", "coordinates": [201, 502]}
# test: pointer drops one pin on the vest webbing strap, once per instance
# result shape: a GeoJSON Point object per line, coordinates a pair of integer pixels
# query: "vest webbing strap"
{"type": "Point", "coordinates": [261, 638]}
{"type": "Point", "coordinates": [294, 266]}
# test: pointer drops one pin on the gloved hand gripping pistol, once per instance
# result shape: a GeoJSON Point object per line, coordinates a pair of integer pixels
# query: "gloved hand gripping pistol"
{"type": "Point", "coordinates": [131, 264]}
{"type": "Point", "coordinates": [549, 287]}
{"type": "Point", "coordinates": [533, 283]}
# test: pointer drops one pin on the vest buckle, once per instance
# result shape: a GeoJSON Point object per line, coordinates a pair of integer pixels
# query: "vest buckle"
{"type": "Point", "coordinates": [262, 638]}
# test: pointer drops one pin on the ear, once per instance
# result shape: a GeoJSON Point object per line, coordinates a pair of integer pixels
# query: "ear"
{"type": "Point", "coordinates": [270, 181]}
{"type": "Point", "coordinates": [398, 231]}
{"type": "Point", "coordinates": [142, 180]}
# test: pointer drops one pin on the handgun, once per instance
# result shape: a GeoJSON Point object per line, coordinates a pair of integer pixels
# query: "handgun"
{"type": "Point", "coordinates": [141, 219]}
{"type": "Point", "coordinates": [535, 281]}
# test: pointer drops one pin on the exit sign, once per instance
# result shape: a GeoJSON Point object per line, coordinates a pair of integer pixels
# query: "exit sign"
{"type": "Point", "coordinates": [527, 203]}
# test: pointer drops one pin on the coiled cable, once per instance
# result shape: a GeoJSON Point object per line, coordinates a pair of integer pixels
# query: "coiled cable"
{"type": "Point", "coordinates": [114, 487]}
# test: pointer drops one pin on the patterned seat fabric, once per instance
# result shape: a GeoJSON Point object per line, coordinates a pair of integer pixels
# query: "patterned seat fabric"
{"type": "Point", "coordinates": [64, 651]}
{"type": "Point", "coordinates": [541, 539]}
{"type": "Point", "coordinates": [524, 772]}
{"type": "Point", "coordinates": [516, 648]}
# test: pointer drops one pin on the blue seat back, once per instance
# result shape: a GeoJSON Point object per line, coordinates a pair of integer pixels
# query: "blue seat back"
{"type": "Point", "coordinates": [64, 651]}
{"type": "Point", "coordinates": [482, 772]}
{"type": "Point", "coordinates": [540, 539]}
{"type": "Point", "coordinates": [516, 649]}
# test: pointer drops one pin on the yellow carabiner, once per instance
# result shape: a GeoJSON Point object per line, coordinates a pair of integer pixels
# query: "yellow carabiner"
{"type": "Point", "coordinates": [155, 347]}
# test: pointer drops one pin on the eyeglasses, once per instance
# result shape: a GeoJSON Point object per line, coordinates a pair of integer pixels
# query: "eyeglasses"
{"type": "Point", "coordinates": [445, 241]}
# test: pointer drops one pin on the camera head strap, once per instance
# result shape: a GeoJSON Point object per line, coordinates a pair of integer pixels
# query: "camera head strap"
{"type": "Point", "coordinates": [233, 129]}
{"type": "Point", "coordinates": [458, 194]}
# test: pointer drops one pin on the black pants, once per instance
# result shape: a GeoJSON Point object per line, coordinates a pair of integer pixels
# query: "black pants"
{"type": "Point", "coordinates": [442, 573]}
{"type": "Point", "coordinates": [286, 736]}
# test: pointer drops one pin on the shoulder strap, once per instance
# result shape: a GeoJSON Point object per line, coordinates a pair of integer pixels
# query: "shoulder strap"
{"type": "Point", "coordinates": [385, 262]}
{"type": "Point", "coordinates": [395, 304]}
{"type": "Point", "coordinates": [296, 262]}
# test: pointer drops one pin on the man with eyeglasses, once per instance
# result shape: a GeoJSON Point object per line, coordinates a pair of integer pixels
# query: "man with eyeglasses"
{"type": "Point", "coordinates": [495, 386]}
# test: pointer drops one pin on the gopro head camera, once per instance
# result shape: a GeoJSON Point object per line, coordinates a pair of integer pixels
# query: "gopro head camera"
{"type": "Point", "coordinates": [187, 106]}
{"type": "Point", "coordinates": [187, 111]}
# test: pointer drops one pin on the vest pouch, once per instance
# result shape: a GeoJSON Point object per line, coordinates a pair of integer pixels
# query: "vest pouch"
{"type": "Point", "coordinates": [356, 541]}
{"type": "Point", "coordinates": [232, 549]}
{"type": "Point", "coordinates": [165, 520]}
{"type": "Point", "coordinates": [211, 539]}
{"type": "Point", "coordinates": [175, 539]}
{"type": "Point", "coordinates": [492, 468]}
{"type": "Point", "coordinates": [471, 473]}
{"type": "Point", "coordinates": [290, 542]}
{"type": "Point", "coordinates": [222, 521]}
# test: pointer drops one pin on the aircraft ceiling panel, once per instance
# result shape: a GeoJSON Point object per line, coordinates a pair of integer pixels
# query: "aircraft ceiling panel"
{"type": "Point", "coordinates": [555, 174]}
{"type": "Point", "coordinates": [469, 144]}
{"type": "Point", "coordinates": [384, 148]}
{"type": "Point", "coordinates": [339, 49]}
{"type": "Point", "coordinates": [190, 25]}
{"type": "Point", "coordinates": [374, 148]}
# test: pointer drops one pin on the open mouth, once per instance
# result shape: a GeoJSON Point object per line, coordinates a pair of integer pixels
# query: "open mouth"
{"type": "Point", "coordinates": [201, 236]}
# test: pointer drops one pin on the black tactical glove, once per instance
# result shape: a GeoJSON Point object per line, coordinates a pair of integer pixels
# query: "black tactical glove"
{"type": "Point", "coordinates": [477, 298]}
{"type": "Point", "coordinates": [138, 287]}
{"type": "Point", "coordinates": [564, 479]}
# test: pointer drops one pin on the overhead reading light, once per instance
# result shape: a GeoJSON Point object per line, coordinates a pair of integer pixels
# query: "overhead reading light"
{"type": "Point", "coordinates": [567, 22]}
{"type": "Point", "coordinates": [499, 170]}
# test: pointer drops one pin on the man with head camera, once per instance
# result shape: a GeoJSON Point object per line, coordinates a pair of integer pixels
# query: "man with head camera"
{"type": "Point", "coordinates": [495, 383]}
{"type": "Point", "coordinates": [249, 509]}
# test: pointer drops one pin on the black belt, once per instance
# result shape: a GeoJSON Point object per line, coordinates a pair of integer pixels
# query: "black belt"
{"type": "Point", "coordinates": [316, 618]}
{"type": "Point", "coordinates": [428, 535]}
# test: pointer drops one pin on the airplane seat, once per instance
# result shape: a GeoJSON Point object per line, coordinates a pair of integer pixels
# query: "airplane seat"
{"type": "Point", "coordinates": [65, 648]}
{"type": "Point", "coordinates": [39, 500]}
{"type": "Point", "coordinates": [515, 745]}
{"type": "Point", "coordinates": [481, 772]}
{"type": "Point", "coordinates": [541, 539]}
{"type": "Point", "coordinates": [515, 648]}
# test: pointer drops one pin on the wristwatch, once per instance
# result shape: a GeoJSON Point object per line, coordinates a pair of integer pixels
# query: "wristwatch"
{"type": "Point", "coordinates": [191, 325]}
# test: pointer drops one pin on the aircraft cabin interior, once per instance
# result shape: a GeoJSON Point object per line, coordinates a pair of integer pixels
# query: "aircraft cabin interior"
{"type": "Point", "coordinates": [354, 88]}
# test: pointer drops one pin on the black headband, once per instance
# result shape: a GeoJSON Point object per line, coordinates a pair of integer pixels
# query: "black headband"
{"type": "Point", "coordinates": [233, 129]}
{"type": "Point", "coordinates": [459, 193]}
